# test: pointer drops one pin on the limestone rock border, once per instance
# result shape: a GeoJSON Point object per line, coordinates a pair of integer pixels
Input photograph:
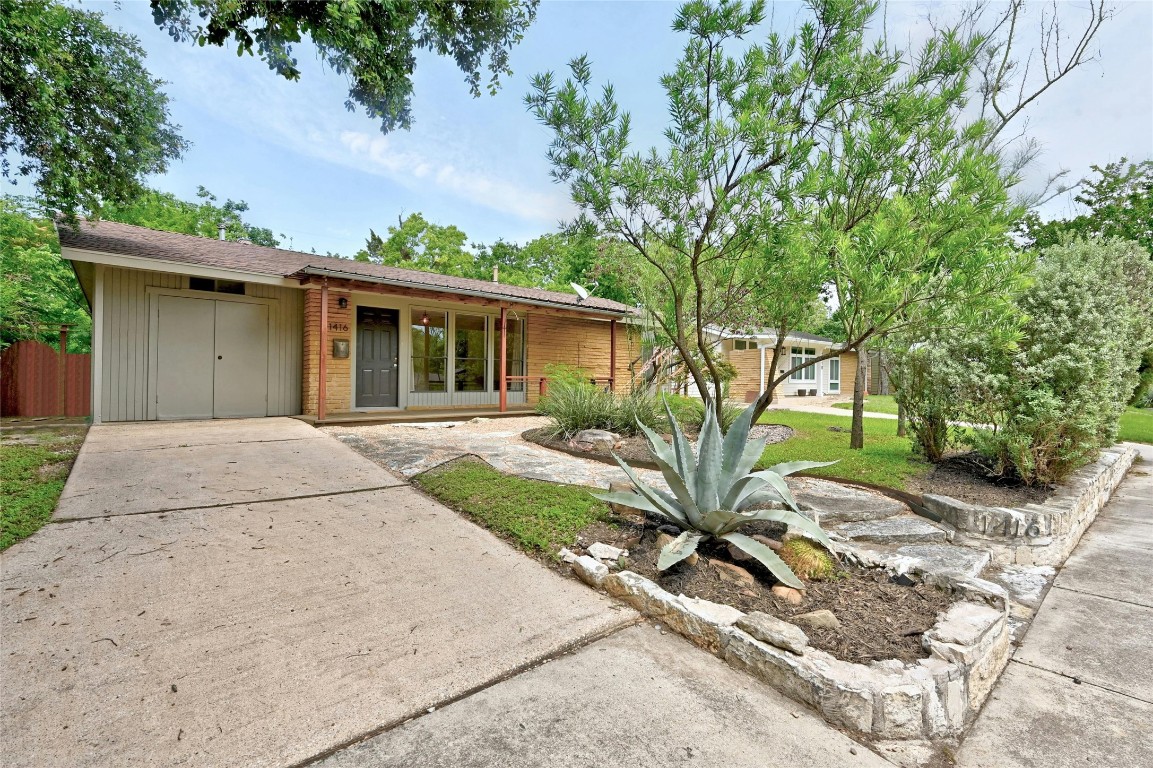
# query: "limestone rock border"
{"type": "Point", "coordinates": [1038, 534]}
{"type": "Point", "coordinates": [937, 697]}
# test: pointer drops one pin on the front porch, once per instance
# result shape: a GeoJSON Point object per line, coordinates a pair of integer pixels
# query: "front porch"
{"type": "Point", "coordinates": [415, 415]}
{"type": "Point", "coordinates": [378, 354]}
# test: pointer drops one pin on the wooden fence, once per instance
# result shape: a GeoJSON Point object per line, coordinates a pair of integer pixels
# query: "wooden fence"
{"type": "Point", "coordinates": [36, 380]}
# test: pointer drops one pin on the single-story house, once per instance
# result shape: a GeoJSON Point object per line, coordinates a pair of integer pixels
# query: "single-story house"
{"type": "Point", "coordinates": [751, 355]}
{"type": "Point", "coordinates": [188, 327]}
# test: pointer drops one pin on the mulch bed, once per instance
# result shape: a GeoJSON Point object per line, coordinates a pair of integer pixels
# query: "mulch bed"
{"type": "Point", "coordinates": [635, 450]}
{"type": "Point", "coordinates": [881, 618]}
{"type": "Point", "coordinates": [970, 477]}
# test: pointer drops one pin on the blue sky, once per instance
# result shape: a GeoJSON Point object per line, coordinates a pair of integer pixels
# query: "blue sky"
{"type": "Point", "coordinates": [323, 176]}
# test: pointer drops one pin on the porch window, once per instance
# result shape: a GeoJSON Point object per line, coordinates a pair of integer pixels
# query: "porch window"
{"type": "Point", "coordinates": [471, 353]}
{"type": "Point", "coordinates": [835, 374]}
{"type": "Point", "coordinates": [515, 354]}
{"type": "Point", "coordinates": [429, 350]}
{"type": "Point", "coordinates": [801, 356]}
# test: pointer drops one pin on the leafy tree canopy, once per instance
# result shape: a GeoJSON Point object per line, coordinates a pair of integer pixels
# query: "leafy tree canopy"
{"type": "Point", "coordinates": [1119, 203]}
{"type": "Point", "coordinates": [790, 165]}
{"type": "Point", "coordinates": [374, 44]}
{"type": "Point", "coordinates": [38, 291]}
{"type": "Point", "coordinates": [78, 108]}
{"type": "Point", "coordinates": [165, 211]}
{"type": "Point", "coordinates": [416, 243]}
{"type": "Point", "coordinates": [551, 261]}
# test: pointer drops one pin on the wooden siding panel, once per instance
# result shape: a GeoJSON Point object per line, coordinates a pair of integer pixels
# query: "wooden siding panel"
{"type": "Point", "coordinates": [125, 348]}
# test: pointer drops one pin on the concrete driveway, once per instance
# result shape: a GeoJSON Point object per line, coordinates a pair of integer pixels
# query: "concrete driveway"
{"type": "Point", "coordinates": [254, 593]}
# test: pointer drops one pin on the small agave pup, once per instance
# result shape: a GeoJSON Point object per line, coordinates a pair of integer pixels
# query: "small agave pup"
{"type": "Point", "coordinates": [710, 491]}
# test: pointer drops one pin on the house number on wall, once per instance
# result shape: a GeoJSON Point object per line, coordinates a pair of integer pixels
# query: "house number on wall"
{"type": "Point", "coordinates": [339, 327]}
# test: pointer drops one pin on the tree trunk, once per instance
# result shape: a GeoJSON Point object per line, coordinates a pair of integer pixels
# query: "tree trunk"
{"type": "Point", "coordinates": [900, 419]}
{"type": "Point", "coordinates": [857, 438]}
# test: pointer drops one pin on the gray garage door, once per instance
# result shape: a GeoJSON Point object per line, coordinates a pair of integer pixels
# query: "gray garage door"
{"type": "Point", "coordinates": [211, 358]}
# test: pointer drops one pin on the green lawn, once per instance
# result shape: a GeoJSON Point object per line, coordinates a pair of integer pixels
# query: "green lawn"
{"type": "Point", "coordinates": [31, 479]}
{"type": "Point", "coordinates": [874, 403]}
{"type": "Point", "coordinates": [1137, 425]}
{"type": "Point", "coordinates": [535, 514]}
{"type": "Point", "coordinates": [885, 460]}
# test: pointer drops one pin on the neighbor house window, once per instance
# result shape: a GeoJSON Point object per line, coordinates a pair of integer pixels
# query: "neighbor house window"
{"type": "Point", "coordinates": [801, 356]}
{"type": "Point", "coordinates": [471, 349]}
{"type": "Point", "coordinates": [514, 355]}
{"type": "Point", "coordinates": [835, 374]}
{"type": "Point", "coordinates": [429, 350]}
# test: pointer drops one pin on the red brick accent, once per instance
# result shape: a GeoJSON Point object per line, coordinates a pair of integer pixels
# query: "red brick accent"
{"type": "Point", "coordinates": [341, 324]}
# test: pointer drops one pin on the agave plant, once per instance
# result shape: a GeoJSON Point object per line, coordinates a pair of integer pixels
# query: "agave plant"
{"type": "Point", "coordinates": [712, 491]}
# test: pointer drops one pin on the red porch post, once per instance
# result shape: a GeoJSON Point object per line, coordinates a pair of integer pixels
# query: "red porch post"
{"type": "Point", "coordinates": [503, 376]}
{"type": "Point", "coordinates": [612, 355]}
{"type": "Point", "coordinates": [322, 368]}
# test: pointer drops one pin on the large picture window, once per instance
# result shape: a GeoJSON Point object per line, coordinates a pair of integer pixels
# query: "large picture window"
{"type": "Point", "coordinates": [515, 354]}
{"type": "Point", "coordinates": [429, 350]}
{"type": "Point", "coordinates": [471, 348]}
{"type": "Point", "coordinates": [801, 356]}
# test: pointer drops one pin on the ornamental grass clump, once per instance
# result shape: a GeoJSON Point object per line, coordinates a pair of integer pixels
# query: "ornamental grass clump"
{"type": "Point", "coordinates": [711, 492]}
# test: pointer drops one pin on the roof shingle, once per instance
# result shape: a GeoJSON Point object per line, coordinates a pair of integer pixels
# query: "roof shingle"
{"type": "Point", "coordinates": [127, 240]}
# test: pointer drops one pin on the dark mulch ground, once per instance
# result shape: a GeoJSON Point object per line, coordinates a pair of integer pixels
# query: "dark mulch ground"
{"type": "Point", "coordinates": [636, 449]}
{"type": "Point", "coordinates": [880, 618]}
{"type": "Point", "coordinates": [970, 477]}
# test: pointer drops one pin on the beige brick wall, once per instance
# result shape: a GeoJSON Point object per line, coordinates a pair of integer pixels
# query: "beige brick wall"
{"type": "Point", "coordinates": [341, 325]}
{"type": "Point", "coordinates": [579, 342]}
{"type": "Point", "coordinates": [747, 384]}
{"type": "Point", "coordinates": [848, 373]}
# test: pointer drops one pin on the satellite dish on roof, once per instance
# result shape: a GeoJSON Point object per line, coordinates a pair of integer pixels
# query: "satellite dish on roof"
{"type": "Point", "coordinates": [580, 291]}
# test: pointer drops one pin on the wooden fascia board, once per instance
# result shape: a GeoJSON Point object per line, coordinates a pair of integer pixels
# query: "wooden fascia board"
{"type": "Point", "coordinates": [368, 286]}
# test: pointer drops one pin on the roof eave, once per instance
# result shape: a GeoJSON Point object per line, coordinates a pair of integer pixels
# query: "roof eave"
{"type": "Point", "coordinates": [326, 272]}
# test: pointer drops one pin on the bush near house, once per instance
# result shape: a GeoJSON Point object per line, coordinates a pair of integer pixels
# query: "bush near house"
{"type": "Point", "coordinates": [572, 405]}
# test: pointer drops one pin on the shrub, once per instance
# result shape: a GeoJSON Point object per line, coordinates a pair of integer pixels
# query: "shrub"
{"type": "Point", "coordinates": [576, 404]}
{"type": "Point", "coordinates": [690, 412]}
{"type": "Point", "coordinates": [1090, 311]}
{"type": "Point", "coordinates": [944, 381]}
{"type": "Point", "coordinates": [563, 373]}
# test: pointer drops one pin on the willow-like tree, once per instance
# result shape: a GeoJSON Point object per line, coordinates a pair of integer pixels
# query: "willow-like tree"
{"type": "Point", "coordinates": [792, 165]}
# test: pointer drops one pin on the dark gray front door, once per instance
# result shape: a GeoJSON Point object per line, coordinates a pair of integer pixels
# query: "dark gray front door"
{"type": "Point", "coordinates": [377, 350]}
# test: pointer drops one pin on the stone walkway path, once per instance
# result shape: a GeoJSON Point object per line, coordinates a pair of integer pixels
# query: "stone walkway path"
{"type": "Point", "coordinates": [1079, 690]}
{"type": "Point", "coordinates": [882, 528]}
{"type": "Point", "coordinates": [410, 449]}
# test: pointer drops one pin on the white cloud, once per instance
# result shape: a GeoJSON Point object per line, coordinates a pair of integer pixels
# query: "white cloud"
{"type": "Point", "coordinates": [472, 183]}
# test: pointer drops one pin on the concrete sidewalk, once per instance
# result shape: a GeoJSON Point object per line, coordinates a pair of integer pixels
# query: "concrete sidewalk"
{"type": "Point", "coordinates": [1079, 691]}
{"type": "Point", "coordinates": [637, 698]}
